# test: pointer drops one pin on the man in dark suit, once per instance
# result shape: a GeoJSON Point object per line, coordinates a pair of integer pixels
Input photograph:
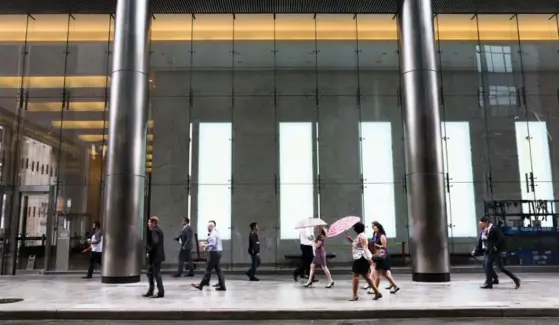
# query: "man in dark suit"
{"type": "Point", "coordinates": [155, 256]}
{"type": "Point", "coordinates": [253, 251]}
{"type": "Point", "coordinates": [491, 242]}
{"type": "Point", "coordinates": [185, 239]}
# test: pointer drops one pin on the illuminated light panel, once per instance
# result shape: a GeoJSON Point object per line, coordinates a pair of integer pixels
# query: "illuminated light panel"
{"type": "Point", "coordinates": [73, 106]}
{"type": "Point", "coordinates": [86, 124]}
{"type": "Point", "coordinates": [260, 27]}
{"type": "Point", "coordinates": [55, 82]}
{"type": "Point", "coordinates": [101, 137]}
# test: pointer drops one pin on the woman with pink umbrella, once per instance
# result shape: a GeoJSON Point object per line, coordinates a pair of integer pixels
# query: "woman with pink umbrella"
{"type": "Point", "coordinates": [362, 257]}
{"type": "Point", "coordinates": [320, 257]}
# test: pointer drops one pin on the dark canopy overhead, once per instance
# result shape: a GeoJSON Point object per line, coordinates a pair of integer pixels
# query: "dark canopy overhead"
{"type": "Point", "coordinates": [276, 6]}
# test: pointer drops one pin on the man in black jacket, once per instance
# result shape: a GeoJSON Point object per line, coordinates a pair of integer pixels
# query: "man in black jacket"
{"type": "Point", "coordinates": [491, 242]}
{"type": "Point", "coordinates": [253, 251]}
{"type": "Point", "coordinates": [185, 239]}
{"type": "Point", "coordinates": [155, 256]}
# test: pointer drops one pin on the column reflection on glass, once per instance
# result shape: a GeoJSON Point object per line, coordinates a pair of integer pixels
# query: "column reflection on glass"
{"type": "Point", "coordinates": [460, 197]}
{"type": "Point", "coordinates": [214, 178]}
{"type": "Point", "coordinates": [378, 175]}
{"type": "Point", "coordinates": [296, 176]}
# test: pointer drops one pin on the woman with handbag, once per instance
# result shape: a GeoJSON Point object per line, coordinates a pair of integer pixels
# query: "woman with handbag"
{"type": "Point", "coordinates": [361, 261]}
{"type": "Point", "coordinates": [381, 258]}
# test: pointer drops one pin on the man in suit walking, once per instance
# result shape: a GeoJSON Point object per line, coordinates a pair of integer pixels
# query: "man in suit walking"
{"type": "Point", "coordinates": [491, 243]}
{"type": "Point", "coordinates": [253, 251]}
{"type": "Point", "coordinates": [185, 239]}
{"type": "Point", "coordinates": [155, 256]}
{"type": "Point", "coordinates": [214, 248]}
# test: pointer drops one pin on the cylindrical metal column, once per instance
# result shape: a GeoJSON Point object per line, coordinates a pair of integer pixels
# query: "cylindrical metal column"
{"type": "Point", "coordinates": [422, 130]}
{"type": "Point", "coordinates": [126, 155]}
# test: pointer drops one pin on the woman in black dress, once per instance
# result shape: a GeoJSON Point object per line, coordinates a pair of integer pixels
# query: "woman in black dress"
{"type": "Point", "coordinates": [382, 260]}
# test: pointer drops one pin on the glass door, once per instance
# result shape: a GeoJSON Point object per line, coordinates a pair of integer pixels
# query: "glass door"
{"type": "Point", "coordinates": [5, 197]}
{"type": "Point", "coordinates": [32, 217]}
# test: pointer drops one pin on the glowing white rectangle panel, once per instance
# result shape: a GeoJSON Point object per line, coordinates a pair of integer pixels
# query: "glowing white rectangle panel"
{"type": "Point", "coordinates": [457, 153]}
{"type": "Point", "coordinates": [296, 176]}
{"type": "Point", "coordinates": [533, 156]}
{"type": "Point", "coordinates": [378, 175]}
{"type": "Point", "coordinates": [214, 178]}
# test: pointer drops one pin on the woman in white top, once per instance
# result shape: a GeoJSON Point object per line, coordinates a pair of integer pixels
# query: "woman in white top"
{"type": "Point", "coordinates": [362, 259]}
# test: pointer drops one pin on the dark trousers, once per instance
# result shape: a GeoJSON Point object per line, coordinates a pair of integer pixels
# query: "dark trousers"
{"type": "Point", "coordinates": [154, 276]}
{"type": "Point", "coordinates": [214, 263]}
{"type": "Point", "coordinates": [306, 260]}
{"type": "Point", "coordinates": [185, 256]}
{"type": "Point", "coordinates": [255, 263]}
{"type": "Point", "coordinates": [94, 258]}
{"type": "Point", "coordinates": [490, 274]}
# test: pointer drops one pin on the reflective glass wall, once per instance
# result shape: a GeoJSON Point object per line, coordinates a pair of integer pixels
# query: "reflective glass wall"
{"type": "Point", "coordinates": [269, 119]}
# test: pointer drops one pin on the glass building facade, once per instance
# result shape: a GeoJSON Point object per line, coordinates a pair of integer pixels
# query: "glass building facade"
{"type": "Point", "coordinates": [272, 119]}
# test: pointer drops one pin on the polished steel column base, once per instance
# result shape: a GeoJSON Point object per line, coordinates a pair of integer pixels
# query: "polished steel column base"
{"type": "Point", "coordinates": [120, 279]}
{"type": "Point", "coordinates": [430, 277]}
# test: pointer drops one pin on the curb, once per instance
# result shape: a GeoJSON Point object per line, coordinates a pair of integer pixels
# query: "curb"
{"type": "Point", "coordinates": [219, 314]}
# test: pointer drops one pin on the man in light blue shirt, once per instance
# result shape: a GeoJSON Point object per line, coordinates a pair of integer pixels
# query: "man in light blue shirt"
{"type": "Point", "coordinates": [214, 248]}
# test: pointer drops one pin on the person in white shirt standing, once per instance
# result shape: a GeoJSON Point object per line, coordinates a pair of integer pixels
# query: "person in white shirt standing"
{"type": "Point", "coordinates": [307, 254]}
{"type": "Point", "coordinates": [96, 244]}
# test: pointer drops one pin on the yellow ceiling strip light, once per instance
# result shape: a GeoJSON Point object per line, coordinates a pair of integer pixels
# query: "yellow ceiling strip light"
{"type": "Point", "coordinates": [73, 106]}
{"type": "Point", "coordinates": [54, 82]}
{"type": "Point", "coordinates": [85, 124]}
{"type": "Point", "coordinates": [95, 28]}
{"type": "Point", "coordinates": [101, 137]}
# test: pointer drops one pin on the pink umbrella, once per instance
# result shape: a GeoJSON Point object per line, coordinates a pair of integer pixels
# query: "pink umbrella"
{"type": "Point", "coordinates": [342, 225]}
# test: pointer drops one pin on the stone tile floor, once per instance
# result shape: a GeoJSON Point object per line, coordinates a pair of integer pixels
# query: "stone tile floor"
{"type": "Point", "coordinates": [273, 293]}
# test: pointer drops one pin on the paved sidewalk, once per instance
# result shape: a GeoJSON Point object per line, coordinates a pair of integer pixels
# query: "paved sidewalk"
{"type": "Point", "coordinates": [274, 298]}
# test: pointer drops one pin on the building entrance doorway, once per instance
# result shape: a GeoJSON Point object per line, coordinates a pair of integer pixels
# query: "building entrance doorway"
{"type": "Point", "coordinates": [27, 228]}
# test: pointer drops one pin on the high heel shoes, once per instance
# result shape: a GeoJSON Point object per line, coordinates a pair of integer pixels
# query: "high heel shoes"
{"type": "Point", "coordinates": [330, 285]}
{"type": "Point", "coordinates": [307, 285]}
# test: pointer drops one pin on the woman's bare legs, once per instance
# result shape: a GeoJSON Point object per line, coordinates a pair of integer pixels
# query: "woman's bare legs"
{"type": "Point", "coordinates": [311, 274]}
{"type": "Point", "coordinates": [328, 274]}
{"type": "Point", "coordinates": [376, 278]}
{"type": "Point", "coordinates": [393, 285]}
{"type": "Point", "coordinates": [374, 288]}
{"type": "Point", "coordinates": [355, 285]}
{"type": "Point", "coordinates": [370, 275]}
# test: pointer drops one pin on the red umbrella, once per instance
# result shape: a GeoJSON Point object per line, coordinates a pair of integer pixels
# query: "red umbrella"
{"type": "Point", "coordinates": [342, 225]}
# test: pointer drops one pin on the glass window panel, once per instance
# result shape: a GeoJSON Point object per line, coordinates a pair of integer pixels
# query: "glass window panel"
{"type": "Point", "coordinates": [457, 154]}
{"type": "Point", "coordinates": [540, 59]}
{"type": "Point", "coordinates": [212, 55]}
{"type": "Point", "coordinates": [47, 37]}
{"type": "Point", "coordinates": [378, 175]}
{"type": "Point", "coordinates": [171, 55]}
{"type": "Point", "coordinates": [214, 178]}
{"type": "Point", "coordinates": [212, 41]}
{"type": "Point", "coordinates": [378, 55]}
{"type": "Point", "coordinates": [534, 157]}
{"type": "Point", "coordinates": [337, 54]}
{"type": "Point", "coordinates": [295, 41]}
{"type": "Point", "coordinates": [12, 32]}
{"type": "Point", "coordinates": [253, 54]}
{"type": "Point", "coordinates": [296, 176]}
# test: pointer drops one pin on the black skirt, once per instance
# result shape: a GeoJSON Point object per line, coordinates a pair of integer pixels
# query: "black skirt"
{"type": "Point", "coordinates": [360, 266]}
